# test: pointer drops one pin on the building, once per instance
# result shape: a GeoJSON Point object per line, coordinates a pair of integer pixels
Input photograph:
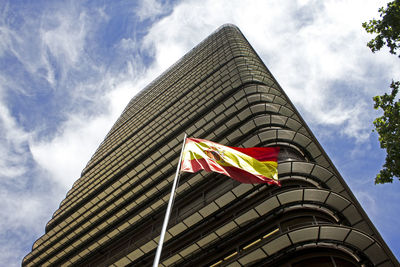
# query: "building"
{"type": "Point", "coordinates": [220, 91]}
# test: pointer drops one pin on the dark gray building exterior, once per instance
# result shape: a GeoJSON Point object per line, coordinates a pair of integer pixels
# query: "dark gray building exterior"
{"type": "Point", "coordinates": [220, 91]}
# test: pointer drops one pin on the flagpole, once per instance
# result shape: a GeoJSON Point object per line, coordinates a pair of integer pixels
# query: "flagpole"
{"type": "Point", "coordinates": [169, 208]}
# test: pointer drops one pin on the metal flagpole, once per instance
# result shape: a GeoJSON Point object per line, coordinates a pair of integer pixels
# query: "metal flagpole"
{"type": "Point", "coordinates": [169, 208]}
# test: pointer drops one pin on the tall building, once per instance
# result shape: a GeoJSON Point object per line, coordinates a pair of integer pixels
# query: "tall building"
{"type": "Point", "coordinates": [219, 91]}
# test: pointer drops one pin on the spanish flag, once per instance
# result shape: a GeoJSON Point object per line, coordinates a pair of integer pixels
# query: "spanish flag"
{"type": "Point", "coordinates": [252, 165]}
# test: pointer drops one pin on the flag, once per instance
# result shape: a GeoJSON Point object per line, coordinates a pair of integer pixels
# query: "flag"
{"type": "Point", "coordinates": [252, 165]}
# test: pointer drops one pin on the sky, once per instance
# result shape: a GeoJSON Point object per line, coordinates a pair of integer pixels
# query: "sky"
{"type": "Point", "coordinates": [68, 69]}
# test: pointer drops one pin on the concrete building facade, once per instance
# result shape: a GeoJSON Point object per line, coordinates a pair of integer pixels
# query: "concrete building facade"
{"type": "Point", "coordinates": [220, 91]}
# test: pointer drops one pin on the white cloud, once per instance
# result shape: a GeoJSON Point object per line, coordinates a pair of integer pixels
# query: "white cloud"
{"type": "Point", "coordinates": [368, 202]}
{"type": "Point", "coordinates": [53, 44]}
{"type": "Point", "coordinates": [150, 9]}
{"type": "Point", "coordinates": [309, 46]}
{"type": "Point", "coordinates": [67, 39]}
{"type": "Point", "coordinates": [6, 37]}
{"type": "Point", "coordinates": [13, 156]}
{"type": "Point", "coordinates": [66, 154]}
{"type": "Point", "coordinates": [35, 174]}
{"type": "Point", "coordinates": [24, 208]}
{"type": "Point", "coordinates": [24, 212]}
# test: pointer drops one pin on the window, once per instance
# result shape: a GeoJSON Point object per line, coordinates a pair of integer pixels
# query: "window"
{"type": "Point", "coordinates": [287, 153]}
{"type": "Point", "coordinates": [315, 257]}
{"type": "Point", "coordinates": [299, 218]}
{"type": "Point", "coordinates": [323, 261]}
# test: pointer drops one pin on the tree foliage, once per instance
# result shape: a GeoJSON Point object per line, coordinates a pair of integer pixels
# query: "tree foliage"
{"type": "Point", "coordinates": [387, 28]}
{"type": "Point", "coordinates": [388, 125]}
{"type": "Point", "coordinates": [388, 128]}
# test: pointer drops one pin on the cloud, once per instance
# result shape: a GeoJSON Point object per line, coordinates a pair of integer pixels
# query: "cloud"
{"type": "Point", "coordinates": [80, 102]}
{"type": "Point", "coordinates": [12, 139]}
{"type": "Point", "coordinates": [26, 193]}
{"type": "Point", "coordinates": [63, 42]}
{"type": "Point", "coordinates": [66, 154]}
{"type": "Point", "coordinates": [84, 96]}
{"type": "Point", "coordinates": [308, 45]}
{"type": "Point", "coordinates": [47, 80]}
{"type": "Point", "coordinates": [26, 206]}
{"type": "Point", "coordinates": [151, 9]}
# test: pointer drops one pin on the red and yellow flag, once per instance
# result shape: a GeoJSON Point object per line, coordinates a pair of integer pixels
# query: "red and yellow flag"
{"type": "Point", "coordinates": [252, 165]}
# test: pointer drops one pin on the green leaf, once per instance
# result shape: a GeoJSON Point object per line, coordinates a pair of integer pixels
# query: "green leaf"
{"type": "Point", "coordinates": [388, 128]}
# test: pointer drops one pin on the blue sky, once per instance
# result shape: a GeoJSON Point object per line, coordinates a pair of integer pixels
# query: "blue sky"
{"type": "Point", "coordinates": [68, 68]}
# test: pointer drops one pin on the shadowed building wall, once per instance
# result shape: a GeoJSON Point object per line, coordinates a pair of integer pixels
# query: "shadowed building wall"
{"type": "Point", "coordinates": [223, 92]}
